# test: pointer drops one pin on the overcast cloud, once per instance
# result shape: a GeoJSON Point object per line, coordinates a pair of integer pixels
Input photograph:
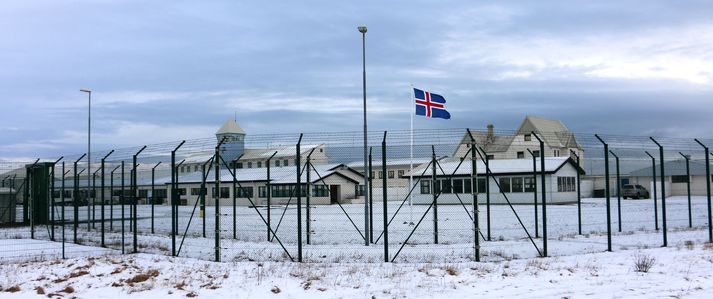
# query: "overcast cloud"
{"type": "Point", "coordinates": [170, 70]}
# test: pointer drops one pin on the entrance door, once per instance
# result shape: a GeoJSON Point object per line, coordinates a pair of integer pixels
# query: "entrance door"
{"type": "Point", "coordinates": [333, 194]}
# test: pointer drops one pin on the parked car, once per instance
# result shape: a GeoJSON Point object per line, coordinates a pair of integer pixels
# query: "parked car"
{"type": "Point", "coordinates": [634, 191]}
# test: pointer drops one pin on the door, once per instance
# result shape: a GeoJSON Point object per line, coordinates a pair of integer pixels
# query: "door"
{"type": "Point", "coordinates": [333, 194]}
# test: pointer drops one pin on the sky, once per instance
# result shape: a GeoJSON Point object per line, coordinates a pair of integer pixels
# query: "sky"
{"type": "Point", "coordinates": [171, 70]}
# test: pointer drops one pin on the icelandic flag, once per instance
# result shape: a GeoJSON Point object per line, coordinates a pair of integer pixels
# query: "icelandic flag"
{"type": "Point", "coordinates": [430, 104]}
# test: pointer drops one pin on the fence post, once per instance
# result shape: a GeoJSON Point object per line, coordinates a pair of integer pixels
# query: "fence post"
{"type": "Point", "coordinates": [174, 187]}
{"type": "Point", "coordinates": [298, 190]}
{"type": "Point", "coordinates": [62, 197]}
{"type": "Point", "coordinates": [204, 189]}
{"type": "Point", "coordinates": [534, 182]}
{"type": "Point", "coordinates": [269, 195]}
{"type": "Point", "coordinates": [487, 190]}
{"type": "Point", "coordinates": [474, 194]}
{"type": "Point", "coordinates": [308, 169]}
{"type": "Point", "coordinates": [371, 199]}
{"type": "Point", "coordinates": [688, 188]}
{"type": "Point", "coordinates": [653, 180]}
{"type": "Point", "coordinates": [435, 195]}
{"type": "Point", "coordinates": [544, 196]}
{"type": "Point", "coordinates": [618, 189]}
{"type": "Point", "coordinates": [75, 193]}
{"type": "Point", "coordinates": [384, 198]}
{"type": "Point", "coordinates": [153, 194]}
{"type": "Point", "coordinates": [606, 191]}
{"type": "Point", "coordinates": [708, 190]}
{"type": "Point", "coordinates": [134, 199]}
{"type": "Point", "coordinates": [217, 199]}
{"type": "Point", "coordinates": [123, 216]}
{"type": "Point", "coordinates": [579, 194]}
{"type": "Point", "coordinates": [52, 203]}
{"type": "Point", "coordinates": [663, 192]}
{"type": "Point", "coordinates": [102, 197]}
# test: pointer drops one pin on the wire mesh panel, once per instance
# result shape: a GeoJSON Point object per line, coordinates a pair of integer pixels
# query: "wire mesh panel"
{"type": "Point", "coordinates": [326, 197]}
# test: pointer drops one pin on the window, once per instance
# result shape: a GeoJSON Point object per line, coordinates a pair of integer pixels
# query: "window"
{"type": "Point", "coordinates": [197, 191]}
{"type": "Point", "coordinates": [679, 179]}
{"type": "Point", "coordinates": [143, 193]}
{"type": "Point", "coordinates": [250, 164]}
{"type": "Point", "coordinates": [528, 137]}
{"type": "Point", "coordinates": [320, 190]}
{"type": "Point", "coordinates": [481, 185]}
{"type": "Point", "coordinates": [240, 165]}
{"type": "Point", "coordinates": [288, 191]}
{"type": "Point", "coordinates": [490, 157]}
{"type": "Point", "coordinates": [359, 190]}
{"type": "Point", "coordinates": [381, 174]}
{"type": "Point", "coordinates": [243, 192]}
{"type": "Point", "coordinates": [530, 184]}
{"type": "Point", "coordinates": [195, 168]}
{"type": "Point", "coordinates": [391, 174]}
{"type": "Point", "coordinates": [224, 192]}
{"type": "Point", "coordinates": [55, 194]}
{"type": "Point", "coordinates": [566, 184]}
{"type": "Point", "coordinates": [536, 153]}
{"type": "Point", "coordinates": [425, 187]}
{"type": "Point", "coordinates": [504, 185]}
{"type": "Point", "coordinates": [557, 153]}
{"type": "Point", "coordinates": [446, 186]}
{"type": "Point", "coordinates": [160, 193]}
{"type": "Point", "coordinates": [179, 191]}
{"type": "Point", "coordinates": [521, 155]}
{"type": "Point", "coordinates": [262, 191]}
{"type": "Point", "coordinates": [401, 173]}
{"type": "Point", "coordinates": [458, 186]}
{"type": "Point", "coordinates": [517, 184]}
{"type": "Point", "coordinates": [68, 193]}
{"type": "Point", "coordinates": [259, 164]}
{"type": "Point", "coordinates": [286, 162]}
{"type": "Point", "coordinates": [277, 163]}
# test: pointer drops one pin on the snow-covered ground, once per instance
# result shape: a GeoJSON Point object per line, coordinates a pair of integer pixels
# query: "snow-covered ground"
{"type": "Point", "coordinates": [678, 271]}
{"type": "Point", "coordinates": [334, 238]}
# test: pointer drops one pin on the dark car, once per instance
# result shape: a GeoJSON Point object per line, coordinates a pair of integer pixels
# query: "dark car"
{"type": "Point", "coordinates": [634, 191]}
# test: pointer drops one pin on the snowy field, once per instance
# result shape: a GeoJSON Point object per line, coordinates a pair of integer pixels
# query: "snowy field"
{"type": "Point", "coordinates": [334, 238]}
{"type": "Point", "coordinates": [675, 272]}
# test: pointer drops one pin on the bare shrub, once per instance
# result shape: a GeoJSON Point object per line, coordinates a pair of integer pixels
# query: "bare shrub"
{"type": "Point", "coordinates": [143, 276]}
{"type": "Point", "coordinates": [13, 289]}
{"type": "Point", "coordinates": [451, 270]}
{"type": "Point", "coordinates": [643, 263]}
{"type": "Point", "coordinates": [689, 245]}
{"type": "Point", "coordinates": [275, 290]}
{"type": "Point", "coordinates": [40, 290]}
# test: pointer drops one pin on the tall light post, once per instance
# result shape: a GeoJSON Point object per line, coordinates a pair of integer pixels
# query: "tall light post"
{"type": "Point", "coordinates": [362, 29]}
{"type": "Point", "coordinates": [89, 144]}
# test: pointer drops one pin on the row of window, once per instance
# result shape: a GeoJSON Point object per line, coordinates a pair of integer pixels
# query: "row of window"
{"type": "Point", "coordinates": [389, 174]}
{"type": "Point", "coordinates": [516, 184]}
{"type": "Point", "coordinates": [250, 164]}
{"type": "Point", "coordinates": [143, 193]}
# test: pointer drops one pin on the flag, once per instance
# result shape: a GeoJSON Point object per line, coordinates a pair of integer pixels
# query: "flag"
{"type": "Point", "coordinates": [430, 104]}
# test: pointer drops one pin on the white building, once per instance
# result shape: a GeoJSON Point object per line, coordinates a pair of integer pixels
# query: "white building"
{"type": "Point", "coordinates": [514, 176]}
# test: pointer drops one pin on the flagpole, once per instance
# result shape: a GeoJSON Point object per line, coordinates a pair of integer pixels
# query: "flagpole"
{"type": "Point", "coordinates": [410, 180]}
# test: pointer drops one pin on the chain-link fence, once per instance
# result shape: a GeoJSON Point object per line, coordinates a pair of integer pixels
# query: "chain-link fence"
{"type": "Point", "coordinates": [451, 195]}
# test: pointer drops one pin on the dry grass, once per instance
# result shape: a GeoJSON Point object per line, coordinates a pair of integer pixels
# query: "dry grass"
{"type": "Point", "coordinates": [13, 289]}
{"type": "Point", "coordinates": [40, 290]}
{"type": "Point", "coordinates": [143, 276]}
{"type": "Point", "coordinates": [689, 245]}
{"type": "Point", "coordinates": [68, 290]}
{"type": "Point", "coordinates": [451, 270]}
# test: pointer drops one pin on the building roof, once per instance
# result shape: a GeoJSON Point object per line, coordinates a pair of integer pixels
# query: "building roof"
{"type": "Point", "coordinates": [278, 175]}
{"type": "Point", "coordinates": [230, 127]}
{"type": "Point", "coordinates": [676, 167]}
{"type": "Point", "coordinates": [390, 162]}
{"type": "Point", "coordinates": [279, 151]}
{"type": "Point", "coordinates": [497, 167]}
{"type": "Point", "coordinates": [498, 143]}
{"type": "Point", "coordinates": [552, 131]}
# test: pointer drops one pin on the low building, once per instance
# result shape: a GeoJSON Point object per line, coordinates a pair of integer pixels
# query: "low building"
{"type": "Point", "coordinates": [511, 178]}
{"type": "Point", "coordinates": [676, 178]}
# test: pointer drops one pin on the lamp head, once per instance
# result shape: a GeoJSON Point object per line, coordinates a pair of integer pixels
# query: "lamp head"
{"type": "Point", "coordinates": [362, 29]}
{"type": "Point", "coordinates": [85, 90]}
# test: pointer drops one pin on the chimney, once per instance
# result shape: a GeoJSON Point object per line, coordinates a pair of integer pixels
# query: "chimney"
{"type": "Point", "coordinates": [490, 133]}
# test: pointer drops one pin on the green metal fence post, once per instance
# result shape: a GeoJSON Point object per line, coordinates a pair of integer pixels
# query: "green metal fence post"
{"type": "Point", "coordinates": [618, 189]}
{"type": "Point", "coordinates": [579, 194]}
{"type": "Point", "coordinates": [606, 191]}
{"type": "Point", "coordinates": [663, 192]}
{"type": "Point", "coordinates": [544, 196]}
{"type": "Point", "coordinates": [384, 199]}
{"type": "Point", "coordinates": [688, 188]}
{"type": "Point", "coordinates": [534, 192]}
{"type": "Point", "coordinates": [435, 195]}
{"type": "Point", "coordinates": [298, 190]}
{"type": "Point", "coordinates": [708, 190]}
{"type": "Point", "coordinates": [653, 181]}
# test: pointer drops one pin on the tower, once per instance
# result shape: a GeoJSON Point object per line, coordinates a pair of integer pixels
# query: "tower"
{"type": "Point", "coordinates": [234, 144]}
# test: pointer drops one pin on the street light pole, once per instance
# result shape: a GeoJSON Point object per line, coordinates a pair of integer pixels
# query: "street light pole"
{"type": "Point", "coordinates": [89, 145]}
{"type": "Point", "coordinates": [362, 29]}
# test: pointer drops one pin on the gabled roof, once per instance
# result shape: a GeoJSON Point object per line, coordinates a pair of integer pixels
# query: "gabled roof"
{"type": "Point", "coordinates": [498, 144]}
{"type": "Point", "coordinates": [230, 127]}
{"type": "Point", "coordinates": [281, 151]}
{"type": "Point", "coordinates": [497, 167]}
{"type": "Point", "coordinates": [554, 132]}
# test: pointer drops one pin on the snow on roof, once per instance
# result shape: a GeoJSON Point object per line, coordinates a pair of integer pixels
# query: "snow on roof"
{"type": "Point", "coordinates": [504, 166]}
{"type": "Point", "coordinates": [390, 162]}
{"type": "Point", "coordinates": [281, 151]}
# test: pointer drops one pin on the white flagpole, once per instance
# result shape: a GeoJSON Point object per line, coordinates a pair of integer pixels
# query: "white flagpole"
{"type": "Point", "coordinates": [412, 111]}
